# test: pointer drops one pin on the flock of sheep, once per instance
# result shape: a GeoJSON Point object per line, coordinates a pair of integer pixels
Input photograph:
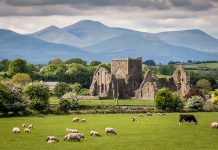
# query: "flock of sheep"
{"type": "Point", "coordinates": [73, 134]}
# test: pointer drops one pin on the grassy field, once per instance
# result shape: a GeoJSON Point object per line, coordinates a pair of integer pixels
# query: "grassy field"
{"type": "Point", "coordinates": [156, 132]}
{"type": "Point", "coordinates": [203, 65]}
{"type": "Point", "coordinates": [54, 100]}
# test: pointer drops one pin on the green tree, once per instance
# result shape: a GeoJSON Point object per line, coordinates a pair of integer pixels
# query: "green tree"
{"type": "Point", "coordinates": [205, 85]}
{"type": "Point", "coordinates": [95, 63]}
{"type": "Point", "coordinates": [165, 99]}
{"type": "Point", "coordinates": [4, 65]}
{"type": "Point", "coordinates": [166, 70]}
{"type": "Point", "coordinates": [64, 105]}
{"type": "Point", "coordinates": [214, 97]}
{"type": "Point", "coordinates": [149, 62]}
{"type": "Point", "coordinates": [61, 88]}
{"type": "Point", "coordinates": [56, 61]}
{"type": "Point", "coordinates": [84, 92]}
{"type": "Point", "coordinates": [37, 94]}
{"type": "Point", "coordinates": [75, 61]}
{"type": "Point", "coordinates": [21, 78]}
{"type": "Point", "coordinates": [17, 66]}
{"type": "Point", "coordinates": [76, 87]}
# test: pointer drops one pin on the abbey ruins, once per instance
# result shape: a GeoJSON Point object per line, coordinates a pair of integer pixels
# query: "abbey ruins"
{"type": "Point", "coordinates": [125, 80]}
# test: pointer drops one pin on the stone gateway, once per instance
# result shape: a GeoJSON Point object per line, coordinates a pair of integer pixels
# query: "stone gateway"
{"type": "Point", "coordinates": [125, 80]}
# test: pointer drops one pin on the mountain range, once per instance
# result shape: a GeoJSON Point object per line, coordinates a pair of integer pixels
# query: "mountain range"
{"type": "Point", "coordinates": [92, 40]}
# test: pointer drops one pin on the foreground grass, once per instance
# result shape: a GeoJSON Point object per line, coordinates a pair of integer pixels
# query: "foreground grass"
{"type": "Point", "coordinates": [156, 132]}
{"type": "Point", "coordinates": [54, 100]}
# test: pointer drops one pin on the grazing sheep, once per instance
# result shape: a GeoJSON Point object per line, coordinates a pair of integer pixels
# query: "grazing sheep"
{"type": "Point", "coordinates": [16, 130]}
{"type": "Point", "coordinates": [52, 141]}
{"type": "Point", "coordinates": [134, 119]}
{"type": "Point", "coordinates": [30, 126]}
{"type": "Point", "coordinates": [110, 130]}
{"type": "Point", "coordinates": [27, 130]}
{"type": "Point", "coordinates": [161, 114]}
{"type": "Point", "coordinates": [141, 115]}
{"type": "Point", "coordinates": [75, 119]}
{"type": "Point", "coordinates": [95, 134]}
{"type": "Point", "coordinates": [83, 120]}
{"type": "Point", "coordinates": [72, 137]}
{"type": "Point", "coordinates": [149, 114]}
{"type": "Point", "coordinates": [52, 138]}
{"type": "Point", "coordinates": [81, 135]}
{"type": "Point", "coordinates": [23, 125]}
{"type": "Point", "coordinates": [72, 130]}
{"type": "Point", "coordinates": [214, 125]}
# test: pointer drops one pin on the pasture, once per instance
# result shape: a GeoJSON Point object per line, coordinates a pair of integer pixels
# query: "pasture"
{"type": "Point", "coordinates": [150, 132]}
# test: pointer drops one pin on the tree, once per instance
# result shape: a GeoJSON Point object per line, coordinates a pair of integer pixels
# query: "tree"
{"type": "Point", "coordinates": [205, 85]}
{"type": "Point", "coordinates": [194, 91]}
{"type": "Point", "coordinates": [72, 98]}
{"type": "Point", "coordinates": [214, 97]}
{"type": "Point", "coordinates": [149, 62]}
{"type": "Point", "coordinates": [4, 65]}
{"type": "Point", "coordinates": [37, 93]}
{"type": "Point", "coordinates": [75, 61]}
{"type": "Point", "coordinates": [21, 78]}
{"type": "Point", "coordinates": [56, 61]}
{"type": "Point", "coordinates": [95, 63]}
{"type": "Point", "coordinates": [195, 102]}
{"type": "Point", "coordinates": [76, 87]}
{"type": "Point", "coordinates": [84, 92]}
{"type": "Point", "coordinates": [61, 88]}
{"type": "Point", "coordinates": [166, 70]}
{"type": "Point", "coordinates": [165, 99]}
{"type": "Point", "coordinates": [64, 105]}
{"type": "Point", "coordinates": [17, 66]}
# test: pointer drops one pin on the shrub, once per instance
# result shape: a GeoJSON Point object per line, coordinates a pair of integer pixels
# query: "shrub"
{"type": "Point", "coordinates": [72, 98]}
{"type": "Point", "coordinates": [21, 78]}
{"type": "Point", "coordinates": [37, 94]}
{"type": "Point", "coordinates": [64, 105]}
{"type": "Point", "coordinates": [195, 102]}
{"type": "Point", "coordinates": [76, 87]}
{"type": "Point", "coordinates": [61, 88]}
{"type": "Point", "coordinates": [84, 92]}
{"type": "Point", "coordinates": [167, 100]}
{"type": "Point", "coordinates": [194, 91]}
{"type": "Point", "coordinates": [214, 97]}
{"type": "Point", "coordinates": [205, 85]}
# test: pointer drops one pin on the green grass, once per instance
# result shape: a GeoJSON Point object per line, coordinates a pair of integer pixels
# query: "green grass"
{"type": "Point", "coordinates": [54, 100]}
{"type": "Point", "coordinates": [203, 65]}
{"type": "Point", "coordinates": [156, 133]}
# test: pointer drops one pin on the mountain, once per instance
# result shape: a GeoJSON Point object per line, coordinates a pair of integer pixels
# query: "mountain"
{"type": "Point", "coordinates": [148, 47]}
{"type": "Point", "coordinates": [14, 45]}
{"type": "Point", "coordinates": [195, 39]}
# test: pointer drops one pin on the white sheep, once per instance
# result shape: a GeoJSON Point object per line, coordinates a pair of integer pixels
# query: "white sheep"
{"type": "Point", "coordinates": [149, 114]}
{"type": "Point", "coordinates": [27, 130]}
{"type": "Point", "coordinates": [141, 115]}
{"type": "Point", "coordinates": [95, 134]}
{"type": "Point", "coordinates": [110, 130]}
{"type": "Point", "coordinates": [83, 120]}
{"type": "Point", "coordinates": [52, 138]}
{"type": "Point", "coordinates": [16, 130]}
{"type": "Point", "coordinates": [30, 126]}
{"type": "Point", "coordinates": [81, 135]}
{"type": "Point", "coordinates": [75, 119]}
{"type": "Point", "coordinates": [214, 125]}
{"type": "Point", "coordinates": [23, 125]}
{"type": "Point", "coordinates": [72, 130]}
{"type": "Point", "coordinates": [72, 137]}
{"type": "Point", "coordinates": [161, 114]}
{"type": "Point", "coordinates": [134, 119]}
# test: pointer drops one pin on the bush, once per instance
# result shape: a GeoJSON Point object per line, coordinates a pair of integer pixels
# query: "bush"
{"type": "Point", "coordinates": [167, 100]}
{"type": "Point", "coordinates": [76, 87]}
{"type": "Point", "coordinates": [194, 91]}
{"type": "Point", "coordinates": [195, 102]}
{"type": "Point", "coordinates": [205, 85]}
{"type": "Point", "coordinates": [37, 94]}
{"type": "Point", "coordinates": [21, 78]}
{"type": "Point", "coordinates": [64, 105]}
{"type": "Point", "coordinates": [84, 92]}
{"type": "Point", "coordinates": [214, 97]}
{"type": "Point", "coordinates": [61, 88]}
{"type": "Point", "coordinates": [72, 98]}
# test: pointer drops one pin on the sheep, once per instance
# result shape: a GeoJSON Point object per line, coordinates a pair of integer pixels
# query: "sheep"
{"type": "Point", "coordinates": [95, 134]}
{"type": "Point", "coordinates": [214, 125]}
{"type": "Point", "coordinates": [27, 130]}
{"type": "Point", "coordinates": [16, 130]}
{"type": "Point", "coordinates": [161, 114]}
{"type": "Point", "coordinates": [81, 135]}
{"type": "Point", "coordinates": [24, 125]}
{"type": "Point", "coordinates": [83, 120]}
{"type": "Point", "coordinates": [72, 137]}
{"type": "Point", "coordinates": [30, 126]}
{"type": "Point", "coordinates": [75, 119]}
{"type": "Point", "coordinates": [72, 130]}
{"type": "Point", "coordinates": [110, 130]}
{"type": "Point", "coordinates": [52, 141]}
{"type": "Point", "coordinates": [149, 114]}
{"type": "Point", "coordinates": [134, 119]}
{"type": "Point", "coordinates": [52, 138]}
{"type": "Point", "coordinates": [141, 115]}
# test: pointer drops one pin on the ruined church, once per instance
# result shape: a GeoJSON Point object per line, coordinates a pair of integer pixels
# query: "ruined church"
{"type": "Point", "coordinates": [125, 80]}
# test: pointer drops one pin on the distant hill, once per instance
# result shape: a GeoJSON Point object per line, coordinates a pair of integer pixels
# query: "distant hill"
{"type": "Point", "coordinates": [93, 40]}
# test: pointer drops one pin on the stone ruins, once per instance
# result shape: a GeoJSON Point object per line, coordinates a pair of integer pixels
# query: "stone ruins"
{"type": "Point", "coordinates": [125, 80]}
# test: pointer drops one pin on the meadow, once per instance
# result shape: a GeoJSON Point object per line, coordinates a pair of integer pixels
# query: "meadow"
{"type": "Point", "coordinates": [154, 132]}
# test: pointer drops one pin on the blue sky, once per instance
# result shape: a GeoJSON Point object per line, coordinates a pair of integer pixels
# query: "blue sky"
{"type": "Point", "coordinates": [26, 16]}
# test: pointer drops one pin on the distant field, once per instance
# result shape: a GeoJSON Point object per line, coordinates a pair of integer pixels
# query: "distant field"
{"type": "Point", "coordinates": [203, 65]}
{"type": "Point", "coordinates": [54, 100]}
{"type": "Point", "coordinates": [149, 133]}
